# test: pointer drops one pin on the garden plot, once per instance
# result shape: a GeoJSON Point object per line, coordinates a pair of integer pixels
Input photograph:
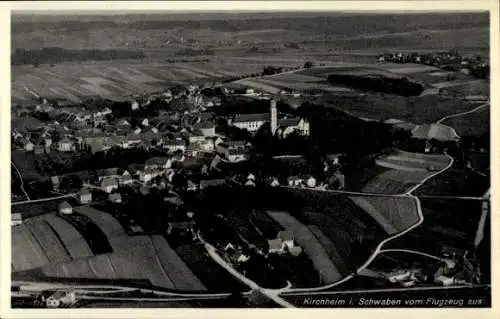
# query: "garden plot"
{"type": "Point", "coordinates": [312, 247]}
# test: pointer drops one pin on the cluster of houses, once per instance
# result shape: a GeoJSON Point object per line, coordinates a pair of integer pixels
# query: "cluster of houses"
{"type": "Point", "coordinates": [447, 60]}
{"type": "Point", "coordinates": [284, 243]}
{"type": "Point", "coordinates": [449, 271]}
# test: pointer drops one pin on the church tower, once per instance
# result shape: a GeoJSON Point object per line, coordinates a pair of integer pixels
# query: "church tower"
{"type": "Point", "coordinates": [274, 116]}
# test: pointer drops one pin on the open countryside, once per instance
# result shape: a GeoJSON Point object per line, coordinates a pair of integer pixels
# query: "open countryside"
{"type": "Point", "coordinates": [248, 159]}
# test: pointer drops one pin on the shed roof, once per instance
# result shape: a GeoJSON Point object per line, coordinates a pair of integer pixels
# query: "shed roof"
{"type": "Point", "coordinates": [435, 131]}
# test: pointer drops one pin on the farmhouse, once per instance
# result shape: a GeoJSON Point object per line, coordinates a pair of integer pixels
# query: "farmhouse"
{"type": "Point", "coordinates": [65, 208]}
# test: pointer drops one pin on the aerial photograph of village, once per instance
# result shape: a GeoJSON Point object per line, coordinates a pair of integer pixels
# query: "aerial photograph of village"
{"type": "Point", "coordinates": [250, 159]}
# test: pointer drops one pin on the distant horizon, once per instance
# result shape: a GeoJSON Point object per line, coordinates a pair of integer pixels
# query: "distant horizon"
{"type": "Point", "coordinates": [112, 12]}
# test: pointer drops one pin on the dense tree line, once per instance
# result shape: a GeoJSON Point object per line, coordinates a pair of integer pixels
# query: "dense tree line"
{"type": "Point", "coordinates": [399, 86]}
{"type": "Point", "coordinates": [317, 22]}
{"type": "Point", "coordinates": [58, 55]}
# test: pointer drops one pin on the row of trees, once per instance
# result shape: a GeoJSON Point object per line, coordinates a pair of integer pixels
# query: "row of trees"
{"type": "Point", "coordinates": [399, 86]}
{"type": "Point", "coordinates": [58, 55]}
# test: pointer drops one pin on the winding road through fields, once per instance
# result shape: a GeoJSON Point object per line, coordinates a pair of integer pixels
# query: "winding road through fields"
{"type": "Point", "coordinates": [480, 107]}
{"type": "Point", "coordinates": [21, 180]}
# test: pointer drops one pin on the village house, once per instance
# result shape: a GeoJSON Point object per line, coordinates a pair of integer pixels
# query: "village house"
{"type": "Point", "coordinates": [57, 298]}
{"type": "Point", "coordinates": [192, 150]}
{"type": "Point", "coordinates": [134, 105]}
{"type": "Point", "coordinates": [207, 128]}
{"type": "Point", "coordinates": [29, 146]}
{"type": "Point", "coordinates": [158, 163]}
{"type": "Point", "coordinates": [175, 145]}
{"type": "Point", "coordinates": [65, 208]}
{"type": "Point", "coordinates": [211, 182]}
{"type": "Point", "coordinates": [47, 141]}
{"type": "Point", "coordinates": [183, 227]}
{"type": "Point", "coordinates": [234, 151]}
{"type": "Point", "coordinates": [398, 276]}
{"type": "Point", "coordinates": [196, 136]}
{"type": "Point", "coordinates": [55, 183]}
{"type": "Point", "coordinates": [286, 238]}
{"type": "Point", "coordinates": [275, 246]}
{"type": "Point", "coordinates": [191, 186]}
{"type": "Point", "coordinates": [274, 182]}
{"type": "Point", "coordinates": [112, 172]}
{"type": "Point", "coordinates": [39, 149]}
{"type": "Point", "coordinates": [65, 145]}
{"type": "Point", "coordinates": [236, 256]}
{"type": "Point", "coordinates": [108, 184]}
{"type": "Point", "coordinates": [84, 196]}
{"type": "Point", "coordinates": [115, 197]}
{"type": "Point", "coordinates": [236, 155]}
{"type": "Point", "coordinates": [125, 179]}
{"type": "Point", "coordinates": [250, 183]}
{"type": "Point", "coordinates": [302, 180]}
{"type": "Point", "coordinates": [250, 122]}
{"type": "Point", "coordinates": [148, 174]}
{"type": "Point", "coordinates": [16, 219]}
{"type": "Point", "coordinates": [289, 125]}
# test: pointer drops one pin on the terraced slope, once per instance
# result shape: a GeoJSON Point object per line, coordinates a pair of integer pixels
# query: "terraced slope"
{"type": "Point", "coordinates": [137, 257]}
{"type": "Point", "coordinates": [405, 170]}
{"type": "Point", "coordinates": [26, 250]}
{"type": "Point", "coordinates": [73, 241]}
{"type": "Point", "coordinates": [394, 214]}
{"type": "Point", "coordinates": [51, 245]}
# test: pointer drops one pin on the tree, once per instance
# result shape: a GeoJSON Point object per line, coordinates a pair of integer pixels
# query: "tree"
{"type": "Point", "coordinates": [308, 65]}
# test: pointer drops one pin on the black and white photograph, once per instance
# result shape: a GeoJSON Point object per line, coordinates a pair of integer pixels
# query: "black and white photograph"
{"type": "Point", "coordinates": [257, 158]}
